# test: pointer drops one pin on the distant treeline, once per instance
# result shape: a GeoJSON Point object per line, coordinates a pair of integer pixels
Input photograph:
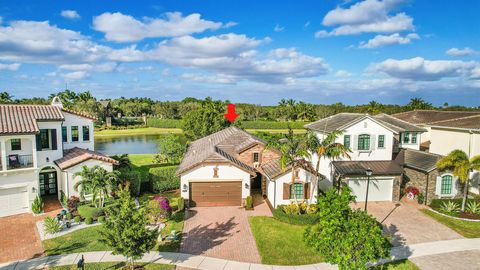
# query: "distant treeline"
{"type": "Point", "coordinates": [168, 113]}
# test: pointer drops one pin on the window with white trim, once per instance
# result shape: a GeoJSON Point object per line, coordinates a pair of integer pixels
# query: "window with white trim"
{"type": "Point", "coordinates": [363, 142]}
{"type": "Point", "coordinates": [447, 184]}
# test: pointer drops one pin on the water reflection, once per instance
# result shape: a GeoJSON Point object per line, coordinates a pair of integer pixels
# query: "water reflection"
{"type": "Point", "coordinates": [135, 144]}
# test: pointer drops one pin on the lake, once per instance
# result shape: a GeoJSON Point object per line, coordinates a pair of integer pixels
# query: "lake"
{"type": "Point", "coordinates": [132, 144]}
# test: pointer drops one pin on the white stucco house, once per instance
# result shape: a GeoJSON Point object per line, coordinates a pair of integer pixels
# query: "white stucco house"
{"type": "Point", "coordinates": [227, 166]}
{"type": "Point", "coordinates": [41, 148]}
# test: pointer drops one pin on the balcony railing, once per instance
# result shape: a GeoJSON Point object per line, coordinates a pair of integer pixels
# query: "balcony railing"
{"type": "Point", "coordinates": [19, 162]}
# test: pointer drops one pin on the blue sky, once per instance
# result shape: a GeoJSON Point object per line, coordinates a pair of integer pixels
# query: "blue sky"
{"type": "Point", "coordinates": [245, 51]}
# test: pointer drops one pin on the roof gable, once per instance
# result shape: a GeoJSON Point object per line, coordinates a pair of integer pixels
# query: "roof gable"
{"type": "Point", "coordinates": [22, 119]}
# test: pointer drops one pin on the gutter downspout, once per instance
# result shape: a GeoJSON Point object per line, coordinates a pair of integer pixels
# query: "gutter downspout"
{"type": "Point", "coordinates": [426, 189]}
{"type": "Point", "coordinates": [274, 193]}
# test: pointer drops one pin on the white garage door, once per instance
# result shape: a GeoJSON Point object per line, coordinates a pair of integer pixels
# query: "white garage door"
{"type": "Point", "coordinates": [13, 201]}
{"type": "Point", "coordinates": [379, 190]}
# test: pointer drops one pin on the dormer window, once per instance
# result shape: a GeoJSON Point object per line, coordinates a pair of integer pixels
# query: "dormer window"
{"type": "Point", "coordinates": [406, 137]}
{"type": "Point", "coordinates": [74, 133]}
{"type": "Point", "coordinates": [256, 157]}
{"type": "Point", "coordinates": [414, 137]}
{"type": "Point", "coordinates": [363, 142]}
{"type": "Point", "coordinates": [346, 141]}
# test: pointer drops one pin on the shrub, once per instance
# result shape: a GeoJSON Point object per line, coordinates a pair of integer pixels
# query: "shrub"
{"type": "Point", "coordinates": [87, 211]}
{"type": "Point", "coordinates": [450, 207]}
{"type": "Point", "coordinates": [77, 219]}
{"type": "Point", "coordinates": [412, 191]}
{"type": "Point", "coordinates": [63, 199]}
{"type": "Point", "coordinates": [164, 123]}
{"type": "Point", "coordinates": [73, 203]}
{"type": "Point", "coordinates": [291, 209]}
{"type": "Point", "coordinates": [88, 220]}
{"type": "Point", "coordinates": [135, 181]}
{"type": "Point", "coordinates": [473, 207]}
{"type": "Point", "coordinates": [166, 210]}
{"type": "Point", "coordinates": [180, 204]}
{"type": "Point", "coordinates": [69, 216]}
{"type": "Point", "coordinates": [312, 209]}
{"type": "Point", "coordinates": [421, 198]}
{"type": "Point", "coordinates": [306, 219]}
{"type": "Point", "coordinates": [303, 208]}
{"type": "Point", "coordinates": [37, 205]}
{"type": "Point", "coordinates": [164, 179]}
{"type": "Point", "coordinates": [272, 124]}
{"type": "Point", "coordinates": [153, 211]}
{"type": "Point", "coordinates": [51, 225]}
{"type": "Point", "coordinates": [249, 202]}
{"type": "Point", "coordinates": [101, 219]}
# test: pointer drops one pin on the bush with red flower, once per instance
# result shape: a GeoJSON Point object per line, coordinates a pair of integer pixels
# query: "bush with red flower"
{"type": "Point", "coordinates": [166, 210]}
{"type": "Point", "coordinates": [411, 192]}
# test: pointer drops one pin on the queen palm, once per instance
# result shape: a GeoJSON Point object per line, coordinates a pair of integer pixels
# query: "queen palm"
{"type": "Point", "coordinates": [97, 181]}
{"type": "Point", "coordinates": [326, 148]}
{"type": "Point", "coordinates": [461, 166]}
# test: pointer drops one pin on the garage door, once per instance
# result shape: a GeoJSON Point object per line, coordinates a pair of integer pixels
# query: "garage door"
{"type": "Point", "coordinates": [13, 201]}
{"type": "Point", "coordinates": [379, 190]}
{"type": "Point", "coordinates": [215, 193]}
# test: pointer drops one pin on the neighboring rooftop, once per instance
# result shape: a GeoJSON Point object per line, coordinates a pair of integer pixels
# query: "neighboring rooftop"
{"type": "Point", "coordinates": [431, 116]}
{"type": "Point", "coordinates": [343, 120]}
{"type": "Point", "coordinates": [469, 122]}
{"type": "Point", "coordinates": [357, 168]}
{"type": "Point", "coordinates": [419, 160]}
{"type": "Point", "coordinates": [221, 146]}
{"type": "Point", "coordinates": [77, 155]}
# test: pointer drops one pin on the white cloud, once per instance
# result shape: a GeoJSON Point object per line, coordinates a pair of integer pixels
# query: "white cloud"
{"type": "Point", "coordinates": [343, 74]}
{"type": "Point", "coordinates": [103, 67]}
{"type": "Point", "coordinates": [368, 16]}
{"type": "Point", "coordinates": [216, 79]}
{"type": "Point", "coordinates": [70, 14]}
{"type": "Point", "coordinates": [461, 52]}
{"type": "Point", "coordinates": [125, 28]}
{"type": "Point", "coordinates": [51, 74]}
{"type": "Point", "coordinates": [382, 40]}
{"type": "Point", "coordinates": [278, 28]}
{"type": "Point", "coordinates": [76, 75]}
{"type": "Point", "coordinates": [419, 69]}
{"type": "Point", "coordinates": [307, 24]}
{"type": "Point", "coordinates": [10, 67]}
{"type": "Point", "coordinates": [230, 24]}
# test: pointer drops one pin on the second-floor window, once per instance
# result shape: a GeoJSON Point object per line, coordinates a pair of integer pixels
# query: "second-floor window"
{"type": "Point", "coordinates": [406, 137]}
{"type": "Point", "coordinates": [86, 133]}
{"type": "Point", "coordinates": [414, 137]}
{"type": "Point", "coordinates": [44, 138]}
{"type": "Point", "coordinates": [64, 134]}
{"type": "Point", "coordinates": [381, 141]}
{"type": "Point", "coordinates": [16, 144]}
{"type": "Point", "coordinates": [346, 141]}
{"type": "Point", "coordinates": [256, 157]}
{"type": "Point", "coordinates": [363, 142]}
{"type": "Point", "coordinates": [74, 133]}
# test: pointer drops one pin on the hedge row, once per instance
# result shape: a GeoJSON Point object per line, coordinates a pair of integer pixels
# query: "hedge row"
{"type": "Point", "coordinates": [163, 179]}
{"type": "Point", "coordinates": [295, 219]}
{"type": "Point", "coordinates": [164, 123]}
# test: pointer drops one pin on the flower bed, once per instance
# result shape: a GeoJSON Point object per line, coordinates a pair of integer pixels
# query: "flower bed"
{"type": "Point", "coordinates": [296, 214]}
{"type": "Point", "coordinates": [452, 208]}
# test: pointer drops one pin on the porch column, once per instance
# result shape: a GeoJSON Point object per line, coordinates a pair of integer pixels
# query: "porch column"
{"type": "Point", "coordinates": [3, 154]}
{"type": "Point", "coordinates": [34, 152]}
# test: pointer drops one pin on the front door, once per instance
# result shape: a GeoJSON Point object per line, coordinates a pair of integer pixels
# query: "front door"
{"type": "Point", "coordinates": [48, 183]}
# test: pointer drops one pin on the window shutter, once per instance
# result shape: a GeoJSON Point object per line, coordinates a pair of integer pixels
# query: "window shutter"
{"type": "Point", "coordinates": [54, 138]}
{"type": "Point", "coordinates": [286, 191]}
{"type": "Point", "coordinates": [372, 142]}
{"type": "Point", "coordinates": [438, 186]}
{"type": "Point", "coordinates": [306, 190]}
{"type": "Point", "coordinates": [38, 142]}
{"type": "Point", "coordinates": [355, 143]}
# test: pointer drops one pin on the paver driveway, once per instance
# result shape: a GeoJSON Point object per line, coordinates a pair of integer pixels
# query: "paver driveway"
{"type": "Point", "coordinates": [221, 232]}
{"type": "Point", "coordinates": [462, 260]}
{"type": "Point", "coordinates": [407, 224]}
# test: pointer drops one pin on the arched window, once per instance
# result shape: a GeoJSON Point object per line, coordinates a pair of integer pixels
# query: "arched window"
{"type": "Point", "coordinates": [363, 142]}
{"type": "Point", "coordinates": [447, 182]}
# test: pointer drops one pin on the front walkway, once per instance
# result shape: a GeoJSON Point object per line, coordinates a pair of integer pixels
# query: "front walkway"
{"type": "Point", "coordinates": [209, 263]}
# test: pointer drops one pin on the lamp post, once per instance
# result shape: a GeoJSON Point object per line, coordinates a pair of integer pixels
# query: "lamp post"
{"type": "Point", "coordinates": [368, 172]}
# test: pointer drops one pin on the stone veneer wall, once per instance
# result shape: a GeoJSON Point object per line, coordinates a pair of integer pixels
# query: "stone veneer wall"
{"type": "Point", "coordinates": [265, 156]}
{"type": "Point", "coordinates": [397, 181]}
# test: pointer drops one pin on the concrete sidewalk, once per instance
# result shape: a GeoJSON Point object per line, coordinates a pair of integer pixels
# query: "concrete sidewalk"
{"type": "Point", "coordinates": [209, 263]}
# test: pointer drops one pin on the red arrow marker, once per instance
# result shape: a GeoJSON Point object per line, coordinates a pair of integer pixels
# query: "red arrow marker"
{"type": "Point", "coordinates": [231, 115]}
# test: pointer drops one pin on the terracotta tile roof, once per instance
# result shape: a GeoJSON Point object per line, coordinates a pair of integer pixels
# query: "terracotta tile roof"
{"type": "Point", "coordinates": [343, 120]}
{"type": "Point", "coordinates": [77, 155]}
{"type": "Point", "coordinates": [22, 119]}
{"type": "Point", "coordinates": [84, 115]}
{"type": "Point", "coordinates": [430, 116]}
{"type": "Point", "coordinates": [221, 146]}
{"type": "Point", "coordinates": [357, 168]}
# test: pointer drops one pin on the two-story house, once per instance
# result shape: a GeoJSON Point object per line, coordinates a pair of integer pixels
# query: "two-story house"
{"type": "Point", "coordinates": [227, 166]}
{"type": "Point", "coordinates": [41, 149]}
{"type": "Point", "coordinates": [374, 142]}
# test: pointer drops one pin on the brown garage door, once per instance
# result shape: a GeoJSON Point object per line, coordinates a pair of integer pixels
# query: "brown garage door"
{"type": "Point", "coordinates": [216, 194]}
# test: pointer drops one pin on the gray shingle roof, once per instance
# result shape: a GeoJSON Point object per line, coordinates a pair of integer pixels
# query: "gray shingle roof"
{"type": "Point", "coordinates": [221, 146]}
{"type": "Point", "coordinates": [357, 168]}
{"type": "Point", "coordinates": [469, 122]}
{"type": "Point", "coordinates": [22, 119]}
{"type": "Point", "coordinates": [429, 116]}
{"type": "Point", "coordinates": [343, 120]}
{"type": "Point", "coordinates": [273, 169]}
{"type": "Point", "coordinates": [419, 160]}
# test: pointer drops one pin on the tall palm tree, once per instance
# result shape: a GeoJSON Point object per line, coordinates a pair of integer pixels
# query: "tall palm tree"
{"type": "Point", "coordinates": [326, 148]}
{"type": "Point", "coordinates": [461, 166]}
{"type": "Point", "coordinates": [293, 153]}
{"type": "Point", "coordinates": [98, 181]}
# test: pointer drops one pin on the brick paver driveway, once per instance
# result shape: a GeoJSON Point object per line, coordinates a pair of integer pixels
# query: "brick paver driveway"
{"type": "Point", "coordinates": [221, 232]}
{"type": "Point", "coordinates": [407, 224]}
{"type": "Point", "coordinates": [462, 260]}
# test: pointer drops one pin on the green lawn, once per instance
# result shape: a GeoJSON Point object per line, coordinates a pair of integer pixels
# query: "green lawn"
{"type": "Point", "coordinates": [281, 243]}
{"type": "Point", "coordinates": [113, 266]}
{"type": "Point", "coordinates": [137, 131]}
{"type": "Point", "coordinates": [397, 265]}
{"type": "Point", "coordinates": [469, 229]}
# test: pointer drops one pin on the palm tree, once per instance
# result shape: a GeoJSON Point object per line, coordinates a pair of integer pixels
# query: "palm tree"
{"type": "Point", "coordinates": [374, 107]}
{"type": "Point", "coordinates": [461, 166]}
{"type": "Point", "coordinates": [293, 153]}
{"type": "Point", "coordinates": [97, 181]}
{"type": "Point", "coordinates": [326, 148]}
{"type": "Point", "coordinates": [419, 104]}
